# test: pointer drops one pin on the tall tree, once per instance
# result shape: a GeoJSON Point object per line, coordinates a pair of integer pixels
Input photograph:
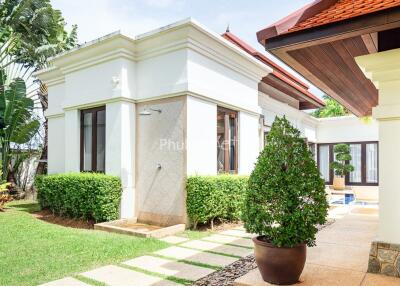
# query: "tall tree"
{"type": "Point", "coordinates": [331, 109]}
{"type": "Point", "coordinates": [31, 31]}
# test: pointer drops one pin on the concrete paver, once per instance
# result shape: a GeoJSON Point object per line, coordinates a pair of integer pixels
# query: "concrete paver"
{"type": "Point", "coordinates": [67, 281]}
{"type": "Point", "coordinates": [118, 276]}
{"type": "Point", "coordinates": [196, 256]}
{"type": "Point", "coordinates": [174, 239]}
{"type": "Point", "coordinates": [217, 247]}
{"type": "Point", "coordinates": [170, 268]}
{"type": "Point", "coordinates": [218, 238]}
{"type": "Point", "coordinates": [237, 233]}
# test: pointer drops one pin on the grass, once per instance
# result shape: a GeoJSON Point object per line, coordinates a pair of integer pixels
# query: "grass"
{"type": "Point", "coordinates": [35, 251]}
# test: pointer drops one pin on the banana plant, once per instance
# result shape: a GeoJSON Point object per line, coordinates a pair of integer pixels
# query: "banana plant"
{"type": "Point", "coordinates": [16, 118]}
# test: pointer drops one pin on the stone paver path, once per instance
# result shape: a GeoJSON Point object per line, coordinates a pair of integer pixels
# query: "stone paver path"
{"type": "Point", "coordinates": [196, 256]}
{"type": "Point", "coordinates": [169, 268]}
{"type": "Point", "coordinates": [218, 247]}
{"type": "Point", "coordinates": [117, 276]}
{"type": "Point", "coordinates": [230, 240]}
{"type": "Point", "coordinates": [186, 260]}
{"type": "Point", "coordinates": [67, 281]}
{"type": "Point", "coordinates": [173, 239]}
{"type": "Point", "coordinates": [237, 233]}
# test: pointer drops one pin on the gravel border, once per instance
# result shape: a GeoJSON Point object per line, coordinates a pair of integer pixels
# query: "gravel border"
{"type": "Point", "coordinates": [227, 275]}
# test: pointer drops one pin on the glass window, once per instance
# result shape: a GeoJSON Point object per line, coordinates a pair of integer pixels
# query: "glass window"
{"type": "Point", "coordinates": [372, 163]}
{"type": "Point", "coordinates": [101, 140]}
{"type": "Point", "coordinates": [355, 152]}
{"type": "Point", "coordinates": [324, 162]}
{"type": "Point", "coordinates": [93, 139]}
{"type": "Point", "coordinates": [87, 142]}
{"type": "Point", "coordinates": [227, 140]}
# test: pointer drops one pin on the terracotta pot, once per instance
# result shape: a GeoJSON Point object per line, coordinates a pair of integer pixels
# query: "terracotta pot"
{"type": "Point", "coordinates": [338, 183]}
{"type": "Point", "coordinates": [279, 265]}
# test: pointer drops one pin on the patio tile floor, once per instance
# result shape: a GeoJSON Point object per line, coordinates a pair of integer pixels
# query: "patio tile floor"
{"type": "Point", "coordinates": [341, 255]}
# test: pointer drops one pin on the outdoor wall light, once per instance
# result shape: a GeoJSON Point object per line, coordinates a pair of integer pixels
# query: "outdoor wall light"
{"type": "Point", "coordinates": [147, 111]}
{"type": "Point", "coordinates": [159, 166]}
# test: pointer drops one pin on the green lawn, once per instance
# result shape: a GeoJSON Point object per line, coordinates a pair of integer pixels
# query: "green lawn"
{"type": "Point", "coordinates": [34, 252]}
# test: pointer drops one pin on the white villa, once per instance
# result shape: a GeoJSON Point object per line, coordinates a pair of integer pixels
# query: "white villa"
{"type": "Point", "coordinates": [178, 101]}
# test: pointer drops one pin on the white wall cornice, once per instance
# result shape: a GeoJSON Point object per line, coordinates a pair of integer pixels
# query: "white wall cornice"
{"type": "Point", "coordinates": [380, 67]}
{"type": "Point", "coordinates": [184, 34]}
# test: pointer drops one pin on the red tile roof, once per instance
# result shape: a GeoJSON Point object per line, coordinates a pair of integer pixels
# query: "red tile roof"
{"type": "Point", "coordinates": [278, 71]}
{"type": "Point", "coordinates": [344, 9]}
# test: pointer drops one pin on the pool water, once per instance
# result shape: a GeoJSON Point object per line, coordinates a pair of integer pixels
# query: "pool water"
{"type": "Point", "coordinates": [349, 199]}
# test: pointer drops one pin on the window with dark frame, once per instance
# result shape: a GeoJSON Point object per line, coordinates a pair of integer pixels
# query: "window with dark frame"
{"type": "Point", "coordinates": [93, 139]}
{"type": "Point", "coordinates": [227, 140]}
{"type": "Point", "coordinates": [364, 159]}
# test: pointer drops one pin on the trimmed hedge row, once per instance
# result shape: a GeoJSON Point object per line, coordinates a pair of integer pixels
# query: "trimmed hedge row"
{"type": "Point", "coordinates": [80, 195]}
{"type": "Point", "coordinates": [211, 197]}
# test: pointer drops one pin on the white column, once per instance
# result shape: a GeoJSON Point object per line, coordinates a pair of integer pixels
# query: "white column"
{"type": "Point", "coordinates": [72, 141]}
{"type": "Point", "coordinates": [249, 144]}
{"type": "Point", "coordinates": [201, 137]}
{"type": "Point", "coordinates": [120, 151]}
{"type": "Point", "coordinates": [384, 70]}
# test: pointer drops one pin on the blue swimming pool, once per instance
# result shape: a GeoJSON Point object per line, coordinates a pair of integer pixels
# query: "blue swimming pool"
{"type": "Point", "coordinates": [349, 199]}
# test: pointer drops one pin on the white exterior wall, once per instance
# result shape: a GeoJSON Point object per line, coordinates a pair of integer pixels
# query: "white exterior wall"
{"type": "Point", "coordinates": [222, 84]}
{"type": "Point", "coordinates": [272, 108]}
{"type": "Point", "coordinates": [160, 141]}
{"type": "Point", "coordinates": [249, 147]}
{"type": "Point", "coordinates": [56, 145]}
{"type": "Point", "coordinates": [72, 140]}
{"type": "Point", "coordinates": [201, 137]}
{"type": "Point", "coordinates": [120, 151]}
{"type": "Point", "coordinates": [162, 75]}
{"type": "Point", "coordinates": [346, 129]}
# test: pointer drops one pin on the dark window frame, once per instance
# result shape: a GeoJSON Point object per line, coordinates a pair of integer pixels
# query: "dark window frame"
{"type": "Point", "coordinates": [363, 162]}
{"type": "Point", "coordinates": [93, 111]}
{"type": "Point", "coordinates": [228, 114]}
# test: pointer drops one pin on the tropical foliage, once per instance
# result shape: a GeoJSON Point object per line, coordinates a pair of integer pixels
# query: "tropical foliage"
{"type": "Point", "coordinates": [31, 31]}
{"type": "Point", "coordinates": [285, 199]}
{"type": "Point", "coordinates": [342, 157]}
{"type": "Point", "coordinates": [331, 109]}
{"type": "Point", "coordinates": [16, 120]}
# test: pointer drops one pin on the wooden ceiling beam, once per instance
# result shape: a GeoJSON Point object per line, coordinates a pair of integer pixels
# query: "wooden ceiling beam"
{"type": "Point", "coordinates": [367, 24]}
{"type": "Point", "coordinates": [371, 42]}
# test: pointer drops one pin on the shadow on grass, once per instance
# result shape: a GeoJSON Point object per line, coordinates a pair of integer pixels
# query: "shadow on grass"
{"type": "Point", "coordinates": [26, 206]}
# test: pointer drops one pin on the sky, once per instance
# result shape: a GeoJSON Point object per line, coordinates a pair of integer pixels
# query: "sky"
{"type": "Point", "coordinates": [96, 18]}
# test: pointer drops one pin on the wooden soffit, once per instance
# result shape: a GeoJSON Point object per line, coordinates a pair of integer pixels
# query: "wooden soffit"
{"type": "Point", "coordinates": [324, 55]}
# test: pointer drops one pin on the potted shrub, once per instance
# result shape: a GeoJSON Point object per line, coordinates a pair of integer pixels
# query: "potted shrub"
{"type": "Point", "coordinates": [284, 203]}
{"type": "Point", "coordinates": [340, 165]}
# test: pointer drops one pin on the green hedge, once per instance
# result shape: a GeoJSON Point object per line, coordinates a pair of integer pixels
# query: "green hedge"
{"type": "Point", "coordinates": [80, 195]}
{"type": "Point", "coordinates": [211, 197]}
